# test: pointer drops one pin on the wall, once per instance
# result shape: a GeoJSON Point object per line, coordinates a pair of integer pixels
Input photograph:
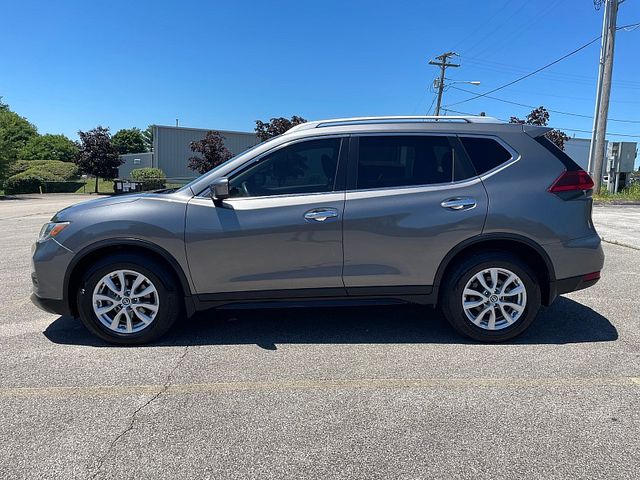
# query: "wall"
{"type": "Point", "coordinates": [171, 147]}
{"type": "Point", "coordinates": [130, 162]}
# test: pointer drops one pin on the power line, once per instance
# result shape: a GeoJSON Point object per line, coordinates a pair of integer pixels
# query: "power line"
{"type": "Point", "coordinates": [558, 128]}
{"type": "Point", "coordinates": [549, 109]}
{"type": "Point", "coordinates": [528, 74]}
{"type": "Point", "coordinates": [550, 75]}
{"type": "Point", "coordinates": [582, 47]}
{"type": "Point", "coordinates": [432, 102]}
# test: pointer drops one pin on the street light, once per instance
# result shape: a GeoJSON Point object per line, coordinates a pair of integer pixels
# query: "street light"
{"type": "Point", "coordinates": [439, 85]}
{"type": "Point", "coordinates": [436, 83]}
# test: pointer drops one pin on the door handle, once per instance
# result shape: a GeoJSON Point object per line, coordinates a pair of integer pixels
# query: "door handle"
{"type": "Point", "coordinates": [320, 214]}
{"type": "Point", "coordinates": [459, 203]}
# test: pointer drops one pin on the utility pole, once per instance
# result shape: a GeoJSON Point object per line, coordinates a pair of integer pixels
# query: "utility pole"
{"type": "Point", "coordinates": [443, 64]}
{"type": "Point", "coordinates": [597, 148]}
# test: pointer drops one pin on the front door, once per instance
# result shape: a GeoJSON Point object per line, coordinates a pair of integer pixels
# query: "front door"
{"type": "Point", "coordinates": [280, 232]}
{"type": "Point", "coordinates": [410, 199]}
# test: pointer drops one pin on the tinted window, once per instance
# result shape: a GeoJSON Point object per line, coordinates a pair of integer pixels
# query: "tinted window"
{"type": "Point", "coordinates": [391, 161]}
{"type": "Point", "coordinates": [305, 167]}
{"type": "Point", "coordinates": [566, 160]}
{"type": "Point", "coordinates": [485, 153]}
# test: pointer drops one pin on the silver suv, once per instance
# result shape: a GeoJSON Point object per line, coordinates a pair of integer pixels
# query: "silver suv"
{"type": "Point", "coordinates": [489, 220]}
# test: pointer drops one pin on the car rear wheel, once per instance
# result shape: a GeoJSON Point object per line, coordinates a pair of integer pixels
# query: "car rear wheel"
{"type": "Point", "coordinates": [491, 297]}
{"type": "Point", "coordinates": [128, 299]}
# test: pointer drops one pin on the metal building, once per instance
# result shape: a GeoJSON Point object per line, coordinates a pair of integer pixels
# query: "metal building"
{"type": "Point", "coordinates": [134, 160]}
{"type": "Point", "coordinates": [619, 160]}
{"type": "Point", "coordinates": [578, 150]}
{"type": "Point", "coordinates": [171, 150]}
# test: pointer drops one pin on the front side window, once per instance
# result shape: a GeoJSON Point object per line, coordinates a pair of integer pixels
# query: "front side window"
{"type": "Point", "coordinates": [404, 160]}
{"type": "Point", "coordinates": [304, 167]}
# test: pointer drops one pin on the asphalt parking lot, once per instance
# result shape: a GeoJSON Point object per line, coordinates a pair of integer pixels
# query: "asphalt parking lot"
{"type": "Point", "coordinates": [377, 392]}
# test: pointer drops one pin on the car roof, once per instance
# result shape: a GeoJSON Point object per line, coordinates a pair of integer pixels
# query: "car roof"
{"type": "Point", "coordinates": [445, 124]}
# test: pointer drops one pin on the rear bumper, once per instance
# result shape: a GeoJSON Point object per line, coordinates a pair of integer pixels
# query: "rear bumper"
{"type": "Point", "coordinates": [575, 262]}
{"type": "Point", "coordinates": [571, 284]}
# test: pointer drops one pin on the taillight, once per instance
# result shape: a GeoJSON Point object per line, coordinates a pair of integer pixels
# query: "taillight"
{"type": "Point", "coordinates": [572, 180]}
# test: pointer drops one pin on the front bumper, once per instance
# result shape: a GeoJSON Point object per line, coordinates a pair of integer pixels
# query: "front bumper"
{"type": "Point", "coordinates": [50, 305]}
{"type": "Point", "coordinates": [49, 264]}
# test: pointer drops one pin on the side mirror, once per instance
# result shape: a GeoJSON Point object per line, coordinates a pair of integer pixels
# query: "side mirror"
{"type": "Point", "coordinates": [219, 189]}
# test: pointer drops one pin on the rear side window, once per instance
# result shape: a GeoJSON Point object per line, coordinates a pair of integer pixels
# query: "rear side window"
{"type": "Point", "coordinates": [566, 160]}
{"type": "Point", "coordinates": [485, 153]}
{"type": "Point", "coordinates": [404, 160]}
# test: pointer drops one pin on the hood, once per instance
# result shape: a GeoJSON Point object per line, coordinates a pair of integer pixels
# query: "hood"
{"type": "Point", "coordinates": [79, 208]}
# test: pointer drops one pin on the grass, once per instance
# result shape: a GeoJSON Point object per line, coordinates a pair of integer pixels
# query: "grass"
{"type": "Point", "coordinates": [630, 194]}
{"type": "Point", "coordinates": [104, 186]}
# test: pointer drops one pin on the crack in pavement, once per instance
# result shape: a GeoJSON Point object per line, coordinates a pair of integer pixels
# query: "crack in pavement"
{"type": "Point", "coordinates": [134, 415]}
{"type": "Point", "coordinates": [620, 244]}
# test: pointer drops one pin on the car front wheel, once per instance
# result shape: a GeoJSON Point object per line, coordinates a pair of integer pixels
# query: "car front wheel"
{"type": "Point", "coordinates": [491, 297]}
{"type": "Point", "coordinates": [128, 299]}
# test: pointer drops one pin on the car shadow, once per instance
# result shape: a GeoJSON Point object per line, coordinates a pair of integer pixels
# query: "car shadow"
{"type": "Point", "coordinates": [566, 321]}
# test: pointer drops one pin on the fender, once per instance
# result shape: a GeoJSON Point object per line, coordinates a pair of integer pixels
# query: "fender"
{"type": "Point", "coordinates": [491, 237]}
{"type": "Point", "coordinates": [116, 242]}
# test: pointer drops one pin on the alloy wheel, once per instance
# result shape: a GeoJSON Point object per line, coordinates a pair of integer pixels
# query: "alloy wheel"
{"type": "Point", "coordinates": [494, 298]}
{"type": "Point", "coordinates": [125, 301]}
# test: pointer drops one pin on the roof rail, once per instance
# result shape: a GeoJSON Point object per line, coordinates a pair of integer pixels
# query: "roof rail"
{"type": "Point", "coordinates": [391, 119]}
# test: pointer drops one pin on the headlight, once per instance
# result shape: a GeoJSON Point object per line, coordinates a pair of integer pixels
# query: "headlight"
{"type": "Point", "coordinates": [51, 230]}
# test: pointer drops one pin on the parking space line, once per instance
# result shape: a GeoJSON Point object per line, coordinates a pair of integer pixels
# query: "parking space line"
{"type": "Point", "coordinates": [320, 384]}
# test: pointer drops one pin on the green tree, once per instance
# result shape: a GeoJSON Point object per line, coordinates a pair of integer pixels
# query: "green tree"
{"type": "Point", "coordinates": [276, 126]}
{"type": "Point", "coordinates": [540, 116]}
{"type": "Point", "coordinates": [15, 132]}
{"type": "Point", "coordinates": [129, 140]}
{"type": "Point", "coordinates": [49, 147]}
{"type": "Point", "coordinates": [97, 155]}
{"type": "Point", "coordinates": [213, 152]}
{"type": "Point", "coordinates": [148, 138]}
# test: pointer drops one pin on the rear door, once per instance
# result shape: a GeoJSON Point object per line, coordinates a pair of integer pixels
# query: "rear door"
{"type": "Point", "coordinates": [410, 199]}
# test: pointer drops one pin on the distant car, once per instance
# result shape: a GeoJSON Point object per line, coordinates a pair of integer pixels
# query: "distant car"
{"type": "Point", "coordinates": [486, 219]}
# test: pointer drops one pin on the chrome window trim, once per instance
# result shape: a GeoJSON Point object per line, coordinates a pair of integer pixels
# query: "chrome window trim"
{"type": "Point", "coordinates": [270, 201]}
{"type": "Point", "coordinates": [409, 189]}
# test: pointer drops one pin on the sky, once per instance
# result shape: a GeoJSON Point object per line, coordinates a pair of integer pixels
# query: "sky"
{"type": "Point", "coordinates": [72, 65]}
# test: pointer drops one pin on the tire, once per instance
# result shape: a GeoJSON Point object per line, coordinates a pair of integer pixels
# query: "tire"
{"type": "Point", "coordinates": [509, 318]}
{"type": "Point", "coordinates": [142, 317]}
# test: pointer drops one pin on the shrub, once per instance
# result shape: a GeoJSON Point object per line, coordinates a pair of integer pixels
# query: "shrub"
{"type": "Point", "coordinates": [20, 166]}
{"type": "Point", "coordinates": [60, 170]}
{"type": "Point", "coordinates": [53, 176]}
{"type": "Point", "coordinates": [27, 182]}
{"type": "Point", "coordinates": [151, 178]}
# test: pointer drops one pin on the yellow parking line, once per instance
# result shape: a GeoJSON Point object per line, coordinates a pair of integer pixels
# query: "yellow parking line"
{"type": "Point", "coordinates": [375, 383]}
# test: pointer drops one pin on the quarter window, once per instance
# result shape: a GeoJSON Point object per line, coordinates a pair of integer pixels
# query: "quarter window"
{"type": "Point", "coordinates": [404, 160]}
{"type": "Point", "coordinates": [485, 153]}
{"type": "Point", "coordinates": [305, 167]}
